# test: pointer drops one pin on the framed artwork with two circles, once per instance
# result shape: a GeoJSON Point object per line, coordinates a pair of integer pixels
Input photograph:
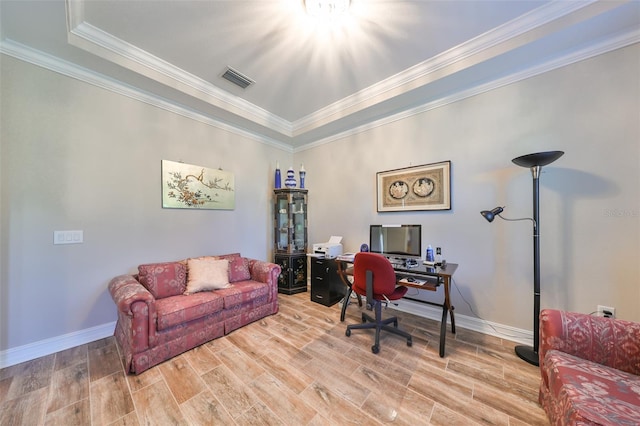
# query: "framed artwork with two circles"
{"type": "Point", "coordinates": [426, 187]}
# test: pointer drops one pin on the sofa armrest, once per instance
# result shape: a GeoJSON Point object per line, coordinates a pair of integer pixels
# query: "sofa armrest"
{"type": "Point", "coordinates": [264, 272]}
{"type": "Point", "coordinates": [607, 341]}
{"type": "Point", "coordinates": [136, 311]}
{"type": "Point", "coordinates": [126, 290]}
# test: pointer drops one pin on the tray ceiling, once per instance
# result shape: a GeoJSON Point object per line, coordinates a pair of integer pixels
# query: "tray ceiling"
{"type": "Point", "coordinates": [312, 81]}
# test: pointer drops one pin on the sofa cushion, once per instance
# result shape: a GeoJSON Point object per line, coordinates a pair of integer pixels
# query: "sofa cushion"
{"type": "Point", "coordinates": [177, 310]}
{"type": "Point", "coordinates": [207, 274]}
{"type": "Point", "coordinates": [243, 292]}
{"type": "Point", "coordinates": [163, 279]}
{"type": "Point", "coordinates": [239, 269]}
{"type": "Point", "coordinates": [591, 393]}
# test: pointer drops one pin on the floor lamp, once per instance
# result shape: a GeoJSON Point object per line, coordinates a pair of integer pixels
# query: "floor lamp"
{"type": "Point", "coordinates": [535, 162]}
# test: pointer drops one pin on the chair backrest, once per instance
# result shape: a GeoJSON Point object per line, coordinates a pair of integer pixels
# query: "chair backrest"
{"type": "Point", "coordinates": [384, 277]}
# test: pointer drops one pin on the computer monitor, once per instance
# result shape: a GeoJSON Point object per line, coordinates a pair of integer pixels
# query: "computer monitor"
{"type": "Point", "coordinates": [396, 241]}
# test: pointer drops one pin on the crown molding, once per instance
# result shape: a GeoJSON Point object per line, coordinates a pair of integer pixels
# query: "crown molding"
{"type": "Point", "coordinates": [74, 13]}
{"type": "Point", "coordinates": [490, 44]}
{"type": "Point", "coordinates": [513, 34]}
{"type": "Point", "coordinates": [41, 59]}
{"type": "Point", "coordinates": [102, 44]}
{"type": "Point", "coordinates": [616, 41]}
{"type": "Point", "coordinates": [27, 54]}
{"type": "Point", "coordinates": [33, 56]}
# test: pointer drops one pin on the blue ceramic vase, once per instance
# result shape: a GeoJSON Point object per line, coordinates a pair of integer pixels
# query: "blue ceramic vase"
{"type": "Point", "coordinates": [290, 181]}
{"type": "Point", "coordinates": [303, 174]}
{"type": "Point", "coordinates": [278, 182]}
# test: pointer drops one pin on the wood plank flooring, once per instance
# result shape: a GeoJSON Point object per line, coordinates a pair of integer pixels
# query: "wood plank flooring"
{"type": "Point", "coordinates": [293, 368]}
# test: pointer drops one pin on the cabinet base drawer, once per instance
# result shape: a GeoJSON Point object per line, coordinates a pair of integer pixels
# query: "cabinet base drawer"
{"type": "Point", "coordinates": [326, 300]}
{"type": "Point", "coordinates": [292, 290]}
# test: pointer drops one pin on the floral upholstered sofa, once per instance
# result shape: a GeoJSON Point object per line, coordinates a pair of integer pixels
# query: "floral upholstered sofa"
{"type": "Point", "coordinates": [171, 307]}
{"type": "Point", "coordinates": [590, 369]}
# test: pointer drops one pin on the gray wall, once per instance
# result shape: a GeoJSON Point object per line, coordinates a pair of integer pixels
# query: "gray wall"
{"type": "Point", "coordinates": [75, 156]}
{"type": "Point", "coordinates": [589, 198]}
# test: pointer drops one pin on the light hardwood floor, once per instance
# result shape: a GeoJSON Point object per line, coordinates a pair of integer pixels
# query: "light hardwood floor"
{"type": "Point", "coordinates": [293, 368]}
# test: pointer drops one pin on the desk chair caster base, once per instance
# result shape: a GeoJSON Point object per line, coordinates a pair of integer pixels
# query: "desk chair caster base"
{"type": "Point", "coordinates": [376, 347]}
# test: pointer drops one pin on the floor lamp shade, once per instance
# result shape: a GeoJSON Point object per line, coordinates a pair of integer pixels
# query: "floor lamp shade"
{"type": "Point", "coordinates": [535, 162]}
{"type": "Point", "coordinates": [538, 159]}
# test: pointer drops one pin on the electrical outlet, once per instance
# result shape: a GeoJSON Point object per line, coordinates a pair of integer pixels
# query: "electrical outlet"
{"type": "Point", "coordinates": [608, 309]}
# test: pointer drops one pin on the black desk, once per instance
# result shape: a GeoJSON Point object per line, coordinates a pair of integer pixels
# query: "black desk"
{"type": "Point", "coordinates": [439, 277]}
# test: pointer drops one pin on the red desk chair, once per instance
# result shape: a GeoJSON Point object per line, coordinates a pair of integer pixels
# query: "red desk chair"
{"type": "Point", "coordinates": [374, 277]}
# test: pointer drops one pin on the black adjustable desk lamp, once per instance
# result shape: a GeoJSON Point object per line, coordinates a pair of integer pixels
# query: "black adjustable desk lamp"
{"type": "Point", "coordinates": [535, 162]}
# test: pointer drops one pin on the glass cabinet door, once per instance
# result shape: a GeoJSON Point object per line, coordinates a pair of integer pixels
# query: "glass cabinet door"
{"type": "Point", "coordinates": [290, 231]}
{"type": "Point", "coordinates": [282, 223]}
{"type": "Point", "coordinates": [299, 223]}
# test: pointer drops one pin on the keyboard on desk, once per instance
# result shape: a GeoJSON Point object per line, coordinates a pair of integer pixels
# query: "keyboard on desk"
{"type": "Point", "coordinates": [415, 270]}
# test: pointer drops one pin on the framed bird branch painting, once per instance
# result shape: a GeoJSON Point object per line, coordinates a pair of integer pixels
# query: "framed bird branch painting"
{"type": "Point", "coordinates": [186, 186]}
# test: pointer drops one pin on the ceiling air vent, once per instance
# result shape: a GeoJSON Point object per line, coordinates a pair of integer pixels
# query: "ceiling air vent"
{"type": "Point", "coordinates": [237, 78]}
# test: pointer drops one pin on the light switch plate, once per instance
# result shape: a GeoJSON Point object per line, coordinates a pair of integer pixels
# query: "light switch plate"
{"type": "Point", "coordinates": [68, 237]}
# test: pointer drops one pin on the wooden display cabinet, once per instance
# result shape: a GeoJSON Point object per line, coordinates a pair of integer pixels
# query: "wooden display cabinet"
{"type": "Point", "coordinates": [290, 239]}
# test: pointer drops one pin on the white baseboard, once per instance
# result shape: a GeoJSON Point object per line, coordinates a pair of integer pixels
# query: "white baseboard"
{"type": "Point", "coordinates": [56, 344]}
{"type": "Point", "coordinates": [502, 331]}
{"type": "Point", "coordinates": [45, 347]}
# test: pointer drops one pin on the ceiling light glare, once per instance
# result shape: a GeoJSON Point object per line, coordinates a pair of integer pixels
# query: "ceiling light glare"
{"type": "Point", "coordinates": [327, 9]}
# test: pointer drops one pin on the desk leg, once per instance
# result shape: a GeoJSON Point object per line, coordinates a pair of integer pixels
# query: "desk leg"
{"type": "Point", "coordinates": [446, 308]}
{"type": "Point", "coordinates": [453, 321]}
{"type": "Point", "coordinates": [345, 303]}
{"type": "Point", "coordinates": [347, 283]}
{"type": "Point", "coordinates": [443, 330]}
{"type": "Point", "coordinates": [447, 287]}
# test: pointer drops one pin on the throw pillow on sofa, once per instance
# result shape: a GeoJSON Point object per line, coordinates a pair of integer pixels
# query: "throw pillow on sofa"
{"type": "Point", "coordinates": [163, 279]}
{"type": "Point", "coordinates": [239, 269]}
{"type": "Point", "coordinates": [207, 274]}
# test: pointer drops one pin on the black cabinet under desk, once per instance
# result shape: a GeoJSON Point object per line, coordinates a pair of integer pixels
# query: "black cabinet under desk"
{"type": "Point", "coordinates": [326, 286]}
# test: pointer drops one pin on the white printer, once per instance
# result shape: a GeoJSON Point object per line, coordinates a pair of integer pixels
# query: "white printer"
{"type": "Point", "coordinates": [330, 249]}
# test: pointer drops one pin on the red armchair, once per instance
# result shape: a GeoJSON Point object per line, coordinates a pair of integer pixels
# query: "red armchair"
{"type": "Point", "coordinates": [590, 368]}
